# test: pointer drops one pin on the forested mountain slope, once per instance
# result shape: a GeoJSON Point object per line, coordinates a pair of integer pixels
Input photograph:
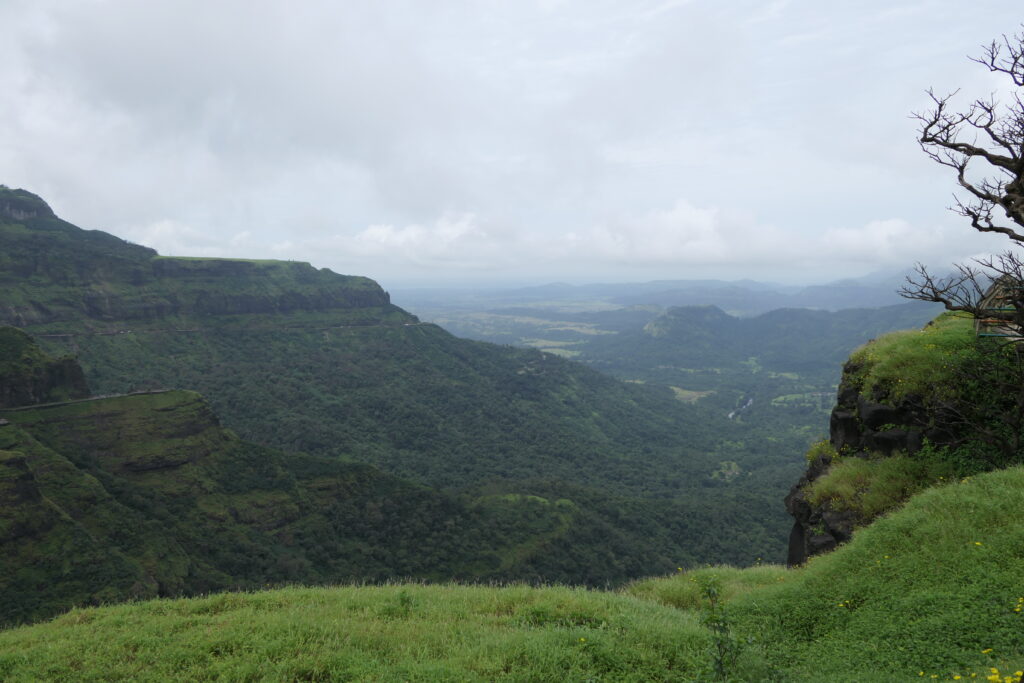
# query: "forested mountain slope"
{"type": "Point", "coordinates": [146, 495]}
{"type": "Point", "coordinates": [55, 275]}
{"type": "Point", "coordinates": [299, 358]}
{"type": "Point", "coordinates": [771, 377]}
{"type": "Point", "coordinates": [295, 358]}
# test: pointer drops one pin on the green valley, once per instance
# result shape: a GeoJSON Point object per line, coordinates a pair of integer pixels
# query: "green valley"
{"type": "Point", "coordinates": [263, 424]}
{"type": "Point", "coordinates": [334, 438]}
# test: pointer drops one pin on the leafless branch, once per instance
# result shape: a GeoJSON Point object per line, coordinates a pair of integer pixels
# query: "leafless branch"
{"type": "Point", "coordinates": [984, 144]}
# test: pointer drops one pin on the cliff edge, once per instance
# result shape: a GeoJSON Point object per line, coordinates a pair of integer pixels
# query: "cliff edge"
{"type": "Point", "coordinates": [53, 272]}
{"type": "Point", "coordinates": [914, 409]}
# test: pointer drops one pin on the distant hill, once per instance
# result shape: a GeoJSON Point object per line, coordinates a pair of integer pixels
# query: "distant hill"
{"type": "Point", "coordinates": [747, 298]}
{"type": "Point", "coordinates": [56, 276]}
{"type": "Point", "coordinates": [738, 297]}
{"type": "Point", "coordinates": [782, 340]}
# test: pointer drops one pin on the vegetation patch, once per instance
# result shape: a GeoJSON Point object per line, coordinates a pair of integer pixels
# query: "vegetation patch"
{"type": "Point", "coordinates": [817, 400]}
{"type": "Point", "coordinates": [932, 589]}
{"type": "Point", "coordinates": [873, 486]}
{"type": "Point", "coordinates": [398, 632]}
{"type": "Point", "coordinates": [688, 395]}
{"type": "Point", "coordinates": [683, 589]}
{"type": "Point", "coordinates": [727, 471]}
{"type": "Point", "coordinates": [821, 449]}
{"type": "Point", "coordinates": [915, 362]}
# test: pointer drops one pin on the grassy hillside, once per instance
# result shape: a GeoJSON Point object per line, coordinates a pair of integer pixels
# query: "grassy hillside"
{"type": "Point", "coordinates": [936, 587]}
{"type": "Point", "coordinates": [391, 633]}
{"type": "Point", "coordinates": [932, 591]}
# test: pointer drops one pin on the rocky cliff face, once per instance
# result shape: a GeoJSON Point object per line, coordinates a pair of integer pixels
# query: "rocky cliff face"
{"type": "Point", "coordinates": [871, 425]}
{"type": "Point", "coordinates": [20, 204]}
{"type": "Point", "coordinates": [29, 377]}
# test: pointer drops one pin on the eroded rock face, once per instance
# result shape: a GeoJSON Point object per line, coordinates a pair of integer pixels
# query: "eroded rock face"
{"type": "Point", "coordinates": [812, 533]}
{"type": "Point", "coordinates": [860, 426]}
{"type": "Point", "coordinates": [19, 205]}
{"type": "Point", "coordinates": [29, 377]}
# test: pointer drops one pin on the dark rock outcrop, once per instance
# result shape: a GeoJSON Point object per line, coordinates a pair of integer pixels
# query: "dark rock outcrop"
{"type": "Point", "coordinates": [859, 426]}
{"type": "Point", "coordinates": [20, 204]}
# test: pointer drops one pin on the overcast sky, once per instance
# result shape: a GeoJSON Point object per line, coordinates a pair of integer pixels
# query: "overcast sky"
{"type": "Point", "coordinates": [431, 142]}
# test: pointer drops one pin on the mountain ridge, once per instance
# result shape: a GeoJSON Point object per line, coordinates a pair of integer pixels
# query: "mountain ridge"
{"type": "Point", "coordinates": [494, 434]}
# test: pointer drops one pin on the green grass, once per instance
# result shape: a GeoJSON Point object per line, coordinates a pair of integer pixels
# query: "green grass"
{"type": "Point", "coordinates": [388, 633]}
{"type": "Point", "coordinates": [922, 362]}
{"type": "Point", "coordinates": [926, 589]}
{"type": "Point", "coordinates": [689, 395]}
{"type": "Point", "coordinates": [935, 589]}
{"type": "Point", "coordinates": [682, 590]}
{"type": "Point", "coordinates": [871, 487]}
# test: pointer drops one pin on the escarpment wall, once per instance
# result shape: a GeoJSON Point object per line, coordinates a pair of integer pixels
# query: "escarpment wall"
{"type": "Point", "coordinates": [163, 287]}
{"type": "Point", "coordinates": [53, 272]}
{"type": "Point", "coordinates": [864, 426]}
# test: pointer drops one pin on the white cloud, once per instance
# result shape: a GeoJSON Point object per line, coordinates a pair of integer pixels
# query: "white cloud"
{"type": "Point", "coordinates": [580, 136]}
{"type": "Point", "coordinates": [172, 237]}
{"type": "Point", "coordinates": [882, 240]}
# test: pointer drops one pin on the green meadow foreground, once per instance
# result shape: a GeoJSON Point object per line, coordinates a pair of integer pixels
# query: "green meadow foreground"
{"type": "Point", "coordinates": [932, 591]}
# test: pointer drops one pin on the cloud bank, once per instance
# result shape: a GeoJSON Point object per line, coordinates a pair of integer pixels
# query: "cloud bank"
{"type": "Point", "coordinates": [557, 139]}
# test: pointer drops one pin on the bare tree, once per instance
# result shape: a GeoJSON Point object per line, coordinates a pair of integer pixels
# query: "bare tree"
{"type": "Point", "coordinates": [984, 145]}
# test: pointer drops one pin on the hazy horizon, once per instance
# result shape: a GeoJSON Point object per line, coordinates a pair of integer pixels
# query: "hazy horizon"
{"type": "Point", "coordinates": [506, 143]}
